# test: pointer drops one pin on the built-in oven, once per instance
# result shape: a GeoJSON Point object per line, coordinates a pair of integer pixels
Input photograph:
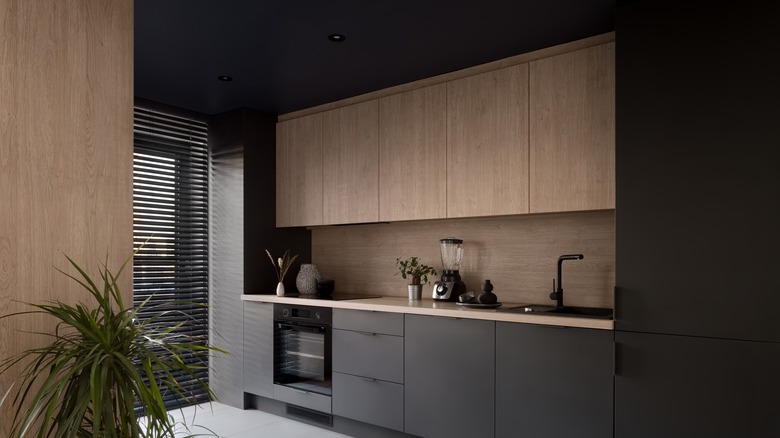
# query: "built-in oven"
{"type": "Point", "coordinates": [302, 356]}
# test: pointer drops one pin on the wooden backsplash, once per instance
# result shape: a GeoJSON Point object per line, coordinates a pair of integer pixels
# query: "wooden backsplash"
{"type": "Point", "coordinates": [517, 253]}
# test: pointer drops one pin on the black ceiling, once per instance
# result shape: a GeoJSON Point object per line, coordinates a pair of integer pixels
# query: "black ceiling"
{"type": "Point", "coordinates": [281, 60]}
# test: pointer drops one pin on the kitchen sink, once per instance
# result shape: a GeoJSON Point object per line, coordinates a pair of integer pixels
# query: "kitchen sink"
{"type": "Point", "coordinates": [580, 312]}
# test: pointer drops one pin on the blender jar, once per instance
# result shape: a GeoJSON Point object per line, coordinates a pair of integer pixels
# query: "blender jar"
{"type": "Point", "coordinates": [451, 253]}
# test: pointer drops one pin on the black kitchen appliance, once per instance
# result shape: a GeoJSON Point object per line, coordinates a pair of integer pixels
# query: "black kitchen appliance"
{"type": "Point", "coordinates": [450, 286]}
{"type": "Point", "coordinates": [333, 297]}
{"type": "Point", "coordinates": [302, 353]}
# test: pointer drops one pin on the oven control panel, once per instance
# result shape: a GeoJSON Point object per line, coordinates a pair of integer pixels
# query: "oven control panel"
{"type": "Point", "coordinates": [314, 314]}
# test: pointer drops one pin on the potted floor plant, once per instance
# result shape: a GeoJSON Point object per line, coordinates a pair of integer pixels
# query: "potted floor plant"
{"type": "Point", "coordinates": [417, 272]}
{"type": "Point", "coordinates": [103, 370]}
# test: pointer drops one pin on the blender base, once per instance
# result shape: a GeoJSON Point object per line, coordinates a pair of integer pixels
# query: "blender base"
{"type": "Point", "coordinates": [448, 290]}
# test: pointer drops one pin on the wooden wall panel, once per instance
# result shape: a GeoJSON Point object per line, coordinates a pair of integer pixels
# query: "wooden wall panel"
{"type": "Point", "coordinates": [66, 142]}
{"type": "Point", "coordinates": [517, 253]}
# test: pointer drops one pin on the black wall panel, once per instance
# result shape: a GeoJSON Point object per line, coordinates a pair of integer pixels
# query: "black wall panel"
{"type": "Point", "coordinates": [260, 232]}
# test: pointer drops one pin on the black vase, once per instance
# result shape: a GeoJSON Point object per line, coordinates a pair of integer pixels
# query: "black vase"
{"type": "Point", "coordinates": [487, 296]}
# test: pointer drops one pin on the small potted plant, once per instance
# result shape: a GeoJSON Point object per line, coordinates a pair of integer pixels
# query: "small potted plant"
{"type": "Point", "coordinates": [417, 271]}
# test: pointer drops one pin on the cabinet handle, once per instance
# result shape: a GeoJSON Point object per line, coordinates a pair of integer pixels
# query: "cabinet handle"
{"type": "Point", "coordinates": [299, 391]}
{"type": "Point", "coordinates": [369, 379]}
{"type": "Point", "coordinates": [560, 327]}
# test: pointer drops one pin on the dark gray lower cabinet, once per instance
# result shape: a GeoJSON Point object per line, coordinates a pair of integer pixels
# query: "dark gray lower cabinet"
{"type": "Point", "coordinates": [684, 386]}
{"type": "Point", "coordinates": [449, 370]}
{"type": "Point", "coordinates": [259, 348]}
{"type": "Point", "coordinates": [371, 355]}
{"type": "Point", "coordinates": [369, 400]}
{"type": "Point", "coordinates": [368, 367]}
{"type": "Point", "coordinates": [553, 381]}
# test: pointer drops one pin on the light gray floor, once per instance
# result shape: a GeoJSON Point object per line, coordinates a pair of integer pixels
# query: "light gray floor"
{"type": "Point", "coordinates": [229, 422]}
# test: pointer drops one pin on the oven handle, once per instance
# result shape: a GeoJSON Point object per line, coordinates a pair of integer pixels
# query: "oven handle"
{"type": "Point", "coordinates": [301, 327]}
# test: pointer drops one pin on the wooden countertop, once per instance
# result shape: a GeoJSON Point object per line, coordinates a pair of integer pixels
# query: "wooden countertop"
{"type": "Point", "coordinates": [439, 308]}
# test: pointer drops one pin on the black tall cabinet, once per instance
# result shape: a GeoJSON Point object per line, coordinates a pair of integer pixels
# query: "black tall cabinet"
{"type": "Point", "coordinates": [697, 219]}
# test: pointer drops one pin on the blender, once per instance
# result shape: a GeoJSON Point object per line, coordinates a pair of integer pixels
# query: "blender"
{"type": "Point", "coordinates": [450, 286]}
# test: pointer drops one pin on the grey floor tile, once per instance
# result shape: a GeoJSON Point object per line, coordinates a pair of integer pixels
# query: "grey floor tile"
{"type": "Point", "coordinates": [229, 422]}
{"type": "Point", "coordinates": [287, 429]}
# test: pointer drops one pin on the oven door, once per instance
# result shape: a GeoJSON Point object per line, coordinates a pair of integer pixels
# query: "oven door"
{"type": "Point", "coordinates": [302, 356]}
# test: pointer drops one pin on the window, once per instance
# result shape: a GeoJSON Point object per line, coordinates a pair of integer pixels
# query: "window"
{"type": "Point", "coordinates": [170, 218]}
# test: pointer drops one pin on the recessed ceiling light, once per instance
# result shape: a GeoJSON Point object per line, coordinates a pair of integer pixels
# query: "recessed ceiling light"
{"type": "Point", "coordinates": [224, 78]}
{"type": "Point", "coordinates": [337, 37]}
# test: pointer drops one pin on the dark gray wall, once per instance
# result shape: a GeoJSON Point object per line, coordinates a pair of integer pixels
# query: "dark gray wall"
{"type": "Point", "coordinates": [260, 232]}
{"type": "Point", "coordinates": [227, 257]}
{"type": "Point", "coordinates": [243, 218]}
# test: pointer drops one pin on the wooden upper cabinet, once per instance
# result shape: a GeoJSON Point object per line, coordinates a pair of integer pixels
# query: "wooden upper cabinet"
{"type": "Point", "coordinates": [412, 155]}
{"type": "Point", "coordinates": [529, 138]}
{"type": "Point", "coordinates": [487, 143]}
{"type": "Point", "coordinates": [350, 163]}
{"type": "Point", "coordinates": [299, 171]}
{"type": "Point", "coordinates": [573, 131]}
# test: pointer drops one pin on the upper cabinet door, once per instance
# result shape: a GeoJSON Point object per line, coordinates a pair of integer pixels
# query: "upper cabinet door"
{"type": "Point", "coordinates": [573, 131]}
{"type": "Point", "coordinates": [350, 163]}
{"type": "Point", "coordinates": [412, 154]}
{"type": "Point", "coordinates": [299, 171]}
{"type": "Point", "coordinates": [487, 144]}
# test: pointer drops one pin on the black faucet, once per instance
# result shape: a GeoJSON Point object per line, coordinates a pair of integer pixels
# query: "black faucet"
{"type": "Point", "coordinates": [557, 294]}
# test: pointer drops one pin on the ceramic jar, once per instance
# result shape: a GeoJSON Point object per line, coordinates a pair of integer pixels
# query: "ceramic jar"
{"type": "Point", "coordinates": [306, 281]}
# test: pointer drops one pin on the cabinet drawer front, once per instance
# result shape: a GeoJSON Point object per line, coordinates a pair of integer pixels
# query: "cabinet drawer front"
{"type": "Point", "coordinates": [368, 321]}
{"type": "Point", "coordinates": [369, 355]}
{"type": "Point", "coordinates": [317, 402]}
{"type": "Point", "coordinates": [370, 401]}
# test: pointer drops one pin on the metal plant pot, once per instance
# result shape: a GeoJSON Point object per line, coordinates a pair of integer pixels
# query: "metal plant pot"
{"type": "Point", "coordinates": [415, 291]}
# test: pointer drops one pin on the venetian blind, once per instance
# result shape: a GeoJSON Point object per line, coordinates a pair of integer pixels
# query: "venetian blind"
{"type": "Point", "coordinates": [170, 220]}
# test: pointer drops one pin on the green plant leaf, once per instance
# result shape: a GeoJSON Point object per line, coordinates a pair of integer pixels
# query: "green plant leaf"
{"type": "Point", "coordinates": [86, 381]}
{"type": "Point", "coordinates": [412, 267]}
